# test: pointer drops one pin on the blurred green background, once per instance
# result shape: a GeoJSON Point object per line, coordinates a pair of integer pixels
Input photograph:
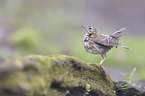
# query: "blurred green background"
{"type": "Point", "coordinates": [49, 27]}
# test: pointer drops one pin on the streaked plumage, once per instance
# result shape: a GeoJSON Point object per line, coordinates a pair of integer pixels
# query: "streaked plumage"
{"type": "Point", "coordinates": [100, 43]}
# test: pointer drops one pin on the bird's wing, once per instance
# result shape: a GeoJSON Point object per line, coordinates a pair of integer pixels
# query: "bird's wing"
{"type": "Point", "coordinates": [119, 33]}
{"type": "Point", "coordinates": [106, 40]}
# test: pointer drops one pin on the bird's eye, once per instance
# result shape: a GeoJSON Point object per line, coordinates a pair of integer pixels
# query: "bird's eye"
{"type": "Point", "coordinates": [90, 28]}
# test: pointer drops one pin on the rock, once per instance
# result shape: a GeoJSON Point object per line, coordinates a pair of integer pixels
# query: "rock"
{"type": "Point", "coordinates": [125, 89]}
{"type": "Point", "coordinates": [56, 75]}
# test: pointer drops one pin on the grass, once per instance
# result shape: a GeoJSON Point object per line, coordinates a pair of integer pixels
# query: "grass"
{"type": "Point", "coordinates": [129, 78]}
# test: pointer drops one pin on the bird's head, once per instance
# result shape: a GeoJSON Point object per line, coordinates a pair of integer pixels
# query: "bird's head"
{"type": "Point", "coordinates": [89, 29]}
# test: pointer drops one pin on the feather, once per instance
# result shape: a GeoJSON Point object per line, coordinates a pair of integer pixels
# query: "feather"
{"type": "Point", "coordinates": [126, 47]}
{"type": "Point", "coordinates": [106, 40]}
{"type": "Point", "coordinates": [119, 33]}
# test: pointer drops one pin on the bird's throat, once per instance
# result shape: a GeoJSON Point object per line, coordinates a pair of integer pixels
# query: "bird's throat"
{"type": "Point", "coordinates": [89, 34]}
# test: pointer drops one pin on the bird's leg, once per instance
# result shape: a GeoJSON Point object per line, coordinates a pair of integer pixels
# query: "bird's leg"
{"type": "Point", "coordinates": [103, 58]}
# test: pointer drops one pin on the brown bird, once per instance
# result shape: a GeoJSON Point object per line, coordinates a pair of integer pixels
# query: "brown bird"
{"type": "Point", "coordinates": [100, 43]}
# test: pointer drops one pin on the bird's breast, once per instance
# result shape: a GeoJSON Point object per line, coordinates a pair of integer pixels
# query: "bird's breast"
{"type": "Point", "coordinates": [92, 47]}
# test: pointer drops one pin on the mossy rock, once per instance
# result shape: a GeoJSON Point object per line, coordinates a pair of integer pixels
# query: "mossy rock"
{"type": "Point", "coordinates": [56, 75]}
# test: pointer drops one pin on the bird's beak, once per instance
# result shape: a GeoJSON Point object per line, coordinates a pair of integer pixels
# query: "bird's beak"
{"type": "Point", "coordinates": [83, 26]}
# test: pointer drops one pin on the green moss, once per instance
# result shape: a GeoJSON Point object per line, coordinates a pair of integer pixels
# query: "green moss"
{"type": "Point", "coordinates": [56, 74]}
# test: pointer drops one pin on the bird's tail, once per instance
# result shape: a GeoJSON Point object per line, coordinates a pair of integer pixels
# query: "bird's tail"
{"type": "Point", "coordinates": [126, 47]}
{"type": "Point", "coordinates": [119, 33]}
